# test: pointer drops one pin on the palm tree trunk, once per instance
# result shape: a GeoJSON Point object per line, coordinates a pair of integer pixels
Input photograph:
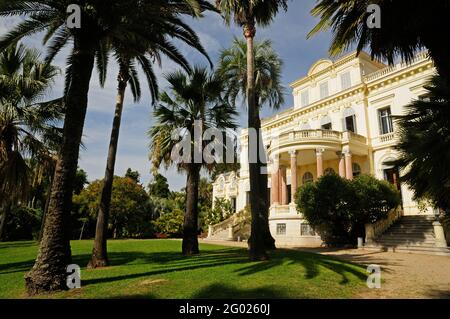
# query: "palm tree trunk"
{"type": "Point", "coordinates": [256, 240]}
{"type": "Point", "coordinates": [49, 270]}
{"type": "Point", "coordinates": [99, 253]}
{"type": "Point", "coordinates": [190, 227]}
{"type": "Point", "coordinates": [47, 203]}
{"type": "Point", "coordinates": [4, 218]}
{"type": "Point", "coordinates": [269, 241]}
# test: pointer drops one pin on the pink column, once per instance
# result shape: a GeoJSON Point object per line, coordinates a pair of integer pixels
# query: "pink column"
{"type": "Point", "coordinates": [348, 166]}
{"type": "Point", "coordinates": [284, 199]}
{"type": "Point", "coordinates": [341, 164]}
{"type": "Point", "coordinates": [275, 199]}
{"type": "Point", "coordinates": [293, 175]}
{"type": "Point", "coordinates": [319, 158]}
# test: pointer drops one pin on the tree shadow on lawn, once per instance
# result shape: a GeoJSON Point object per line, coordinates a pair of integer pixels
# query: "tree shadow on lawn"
{"type": "Point", "coordinates": [311, 262]}
{"type": "Point", "coordinates": [221, 291]}
{"type": "Point", "coordinates": [167, 262]}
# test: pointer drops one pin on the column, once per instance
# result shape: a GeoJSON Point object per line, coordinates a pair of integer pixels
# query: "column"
{"type": "Point", "coordinates": [293, 175]}
{"type": "Point", "coordinates": [275, 199]}
{"type": "Point", "coordinates": [341, 164]}
{"type": "Point", "coordinates": [348, 166]}
{"type": "Point", "coordinates": [284, 199]}
{"type": "Point", "coordinates": [319, 159]}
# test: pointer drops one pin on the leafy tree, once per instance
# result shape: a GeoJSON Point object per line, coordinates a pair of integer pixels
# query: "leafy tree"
{"type": "Point", "coordinates": [268, 91]}
{"type": "Point", "coordinates": [134, 175]}
{"type": "Point", "coordinates": [28, 130]}
{"type": "Point", "coordinates": [111, 21]}
{"type": "Point", "coordinates": [425, 143]}
{"type": "Point", "coordinates": [81, 180]}
{"type": "Point", "coordinates": [339, 208]}
{"type": "Point", "coordinates": [402, 33]}
{"type": "Point", "coordinates": [130, 216]}
{"type": "Point", "coordinates": [193, 99]}
{"type": "Point", "coordinates": [159, 187]}
{"type": "Point", "coordinates": [247, 14]}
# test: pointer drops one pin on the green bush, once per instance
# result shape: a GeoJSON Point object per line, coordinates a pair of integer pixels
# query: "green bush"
{"type": "Point", "coordinates": [338, 208]}
{"type": "Point", "coordinates": [170, 224]}
{"type": "Point", "coordinates": [222, 210]}
{"type": "Point", "coordinates": [23, 224]}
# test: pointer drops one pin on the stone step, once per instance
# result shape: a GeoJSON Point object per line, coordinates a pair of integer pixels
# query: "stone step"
{"type": "Point", "coordinates": [403, 226]}
{"type": "Point", "coordinates": [410, 249]}
{"type": "Point", "coordinates": [406, 243]}
{"type": "Point", "coordinates": [409, 235]}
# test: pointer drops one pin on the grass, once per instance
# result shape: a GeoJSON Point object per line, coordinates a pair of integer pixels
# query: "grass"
{"type": "Point", "coordinates": [156, 269]}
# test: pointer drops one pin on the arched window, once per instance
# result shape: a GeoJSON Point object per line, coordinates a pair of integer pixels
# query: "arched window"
{"type": "Point", "coordinates": [307, 178]}
{"type": "Point", "coordinates": [329, 171]}
{"type": "Point", "coordinates": [356, 169]}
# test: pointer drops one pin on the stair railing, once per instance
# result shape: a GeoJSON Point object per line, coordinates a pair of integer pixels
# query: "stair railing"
{"type": "Point", "coordinates": [373, 231]}
{"type": "Point", "coordinates": [231, 222]}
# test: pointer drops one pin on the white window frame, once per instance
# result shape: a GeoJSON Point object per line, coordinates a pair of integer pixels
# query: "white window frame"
{"type": "Point", "coordinates": [324, 90]}
{"type": "Point", "coordinates": [389, 124]}
{"type": "Point", "coordinates": [346, 81]}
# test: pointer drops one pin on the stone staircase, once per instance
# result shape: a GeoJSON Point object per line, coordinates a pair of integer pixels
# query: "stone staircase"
{"type": "Point", "coordinates": [237, 227]}
{"type": "Point", "coordinates": [411, 234]}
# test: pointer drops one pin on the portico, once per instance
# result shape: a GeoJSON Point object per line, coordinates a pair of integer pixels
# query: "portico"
{"type": "Point", "coordinates": [302, 156]}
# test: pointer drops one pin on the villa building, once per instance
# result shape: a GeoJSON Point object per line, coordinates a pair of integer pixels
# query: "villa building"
{"type": "Point", "coordinates": [341, 122]}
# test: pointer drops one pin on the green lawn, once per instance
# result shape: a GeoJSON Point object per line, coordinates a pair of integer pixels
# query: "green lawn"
{"type": "Point", "coordinates": [156, 269]}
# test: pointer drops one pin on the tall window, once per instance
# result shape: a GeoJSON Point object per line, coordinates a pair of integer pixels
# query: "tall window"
{"type": "Point", "coordinates": [281, 229]}
{"type": "Point", "coordinates": [247, 198]}
{"type": "Point", "coordinates": [233, 204]}
{"type": "Point", "coordinates": [308, 177]}
{"type": "Point", "coordinates": [325, 123]}
{"type": "Point", "coordinates": [350, 123]}
{"type": "Point", "coordinates": [346, 81]}
{"type": "Point", "coordinates": [356, 169]}
{"type": "Point", "coordinates": [324, 90]}
{"type": "Point", "coordinates": [385, 118]}
{"type": "Point", "coordinates": [304, 98]}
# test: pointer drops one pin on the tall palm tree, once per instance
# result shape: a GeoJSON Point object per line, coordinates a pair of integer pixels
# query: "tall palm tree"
{"type": "Point", "coordinates": [425, 143]}
{"type": "Point", "coordinates": [194, 101]}
{"type": "Point", "coordinates": [247, 14]}
{"type": "Point", "coordinates": [139, 53]}
{"type": "Point", "coordinates": [100, 19]}
{"type": "Point", "coordinates": [405, 28]}
{"type": "Point", "coordinates": [268, 88]}
{"type": "Point", "coordinates": [27, 124]}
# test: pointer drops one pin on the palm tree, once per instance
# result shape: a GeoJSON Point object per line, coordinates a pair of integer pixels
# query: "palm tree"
{"type": "Point", "coordinates": [268, 89]}
{"type": "Point", "coordinates": [424, 145]}
{"type": "Point", "coordinates": [194, 102]}
{"type": "Point", "coordinates": [140, 53]}
{"type": "Point", "coordinates": [248, 14]}
{"type": "Point", "coordinates": [101, 19]}
{"type": "Point", "coordinates": [403, 31]}
{"type": "Point", "coordinates": [27, 125]}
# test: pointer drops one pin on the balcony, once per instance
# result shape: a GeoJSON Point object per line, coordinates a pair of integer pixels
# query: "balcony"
{"type": "Point", "coordinates": [385, 140]}
{"type": "Point", "coordinates": [304, 139]}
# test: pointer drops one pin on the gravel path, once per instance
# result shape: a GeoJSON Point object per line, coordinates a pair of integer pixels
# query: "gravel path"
{"type": "Point", "coordinates": [403, 275]}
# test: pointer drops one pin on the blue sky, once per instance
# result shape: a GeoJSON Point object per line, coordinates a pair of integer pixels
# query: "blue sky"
{"type": "Point", "coordinates": [288, 34]}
